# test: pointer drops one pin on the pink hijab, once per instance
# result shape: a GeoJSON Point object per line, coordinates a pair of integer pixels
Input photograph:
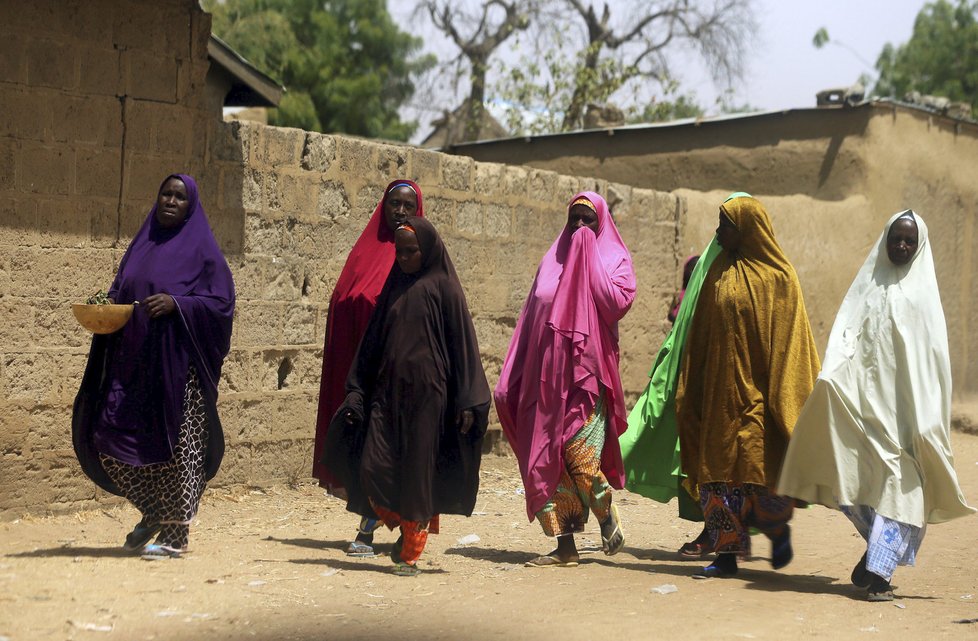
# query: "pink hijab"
{"type": "Point", "coordinates": [566, 344]}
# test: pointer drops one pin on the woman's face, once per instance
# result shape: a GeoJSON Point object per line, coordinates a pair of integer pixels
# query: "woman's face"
{"type": "Point", "coordinates": [399, 204]}
{"type": "Point", "coordinates": [582, 216]}
{"type": "Point", "coordinates": [172, 203]}
{"type": "Point", "coordinates": [407, 251]}
{"type": "Point", "coordinates": [728, 236]}
{"type": "Point", "coordinates": [901, 241]}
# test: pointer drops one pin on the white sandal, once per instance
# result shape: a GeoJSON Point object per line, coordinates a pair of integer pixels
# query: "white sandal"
{"type": "Point", "coordinates": [614, 542]}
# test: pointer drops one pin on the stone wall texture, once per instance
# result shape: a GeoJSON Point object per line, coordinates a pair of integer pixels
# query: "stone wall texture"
{"type": "Point", "coordinates": [304, 201]}
{"type": "Point", "coordinates": [101, 100]}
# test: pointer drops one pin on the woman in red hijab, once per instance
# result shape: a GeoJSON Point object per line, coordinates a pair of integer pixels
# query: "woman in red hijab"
{"type": "Point", "coordinates": [350, 306]}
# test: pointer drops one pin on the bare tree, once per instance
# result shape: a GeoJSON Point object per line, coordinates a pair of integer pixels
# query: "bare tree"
{"type": "Point", "coordinates": [478, 34]}
{"type": "Point", "coordinates": [719, 29]}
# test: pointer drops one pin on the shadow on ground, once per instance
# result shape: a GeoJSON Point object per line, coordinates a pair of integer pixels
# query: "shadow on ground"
{"type": "Point", "coordinates": [494, 555]}
{"type": "Point", "coordinates": [69, 551]}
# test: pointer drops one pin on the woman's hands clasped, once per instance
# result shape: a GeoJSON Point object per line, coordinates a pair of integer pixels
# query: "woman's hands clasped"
{"type": "Point", "coordinates": [159, 305]}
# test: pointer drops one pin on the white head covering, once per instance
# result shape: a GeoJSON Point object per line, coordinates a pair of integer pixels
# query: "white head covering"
{"type": "Point", "coordinates": [876, 429]}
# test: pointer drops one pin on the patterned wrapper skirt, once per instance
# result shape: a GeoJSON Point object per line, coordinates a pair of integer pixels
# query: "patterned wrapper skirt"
{"type": "Point", "coordinates": [169, 493]}
{"type": "Point", "coordinates": [583, 487]}
{"type": "Point", "coordinates": [730, 510]}
{"type": "Point", "coordinates": [889, 543]}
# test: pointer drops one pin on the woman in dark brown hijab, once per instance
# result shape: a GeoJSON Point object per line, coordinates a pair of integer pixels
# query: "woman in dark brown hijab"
{"type": "Point", "coordinates": [408, 437]}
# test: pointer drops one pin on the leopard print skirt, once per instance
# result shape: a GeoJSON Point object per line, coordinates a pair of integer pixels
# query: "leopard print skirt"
{"type": "Point", "coordinates": [169, 493]}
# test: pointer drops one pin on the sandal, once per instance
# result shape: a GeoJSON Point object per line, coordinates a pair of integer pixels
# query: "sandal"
{"type": "Point", "coordinates": [693, 550]}
{"type": "Point", "coordinates": [879, 589]}
{"type": "Point", "coordinates": [156, 552]}
{"type": "Point", "coordinates": [142, 534]}
{"type": "Point", "coordinates": [406, 569]}
{"type": "Point", "coordinates": [551, 561]}
{"type": "Point", "coordinates": [614, 542]}
{"type": "Point", "coordinates": [696, 548]}
{"type": "Point", "coordinates": [360, 549]}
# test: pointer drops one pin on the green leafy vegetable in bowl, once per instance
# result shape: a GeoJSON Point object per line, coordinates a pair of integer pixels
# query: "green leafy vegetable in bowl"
{"type": "Point", "coordinates": [99, 298]}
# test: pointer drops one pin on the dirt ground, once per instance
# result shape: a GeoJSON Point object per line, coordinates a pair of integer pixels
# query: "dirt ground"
{"type": "Point", "coordinates": [268, 565]}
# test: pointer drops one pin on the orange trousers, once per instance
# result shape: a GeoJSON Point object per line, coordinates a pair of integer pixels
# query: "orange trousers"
{"type": "Point", "coordinates": [414, 534]}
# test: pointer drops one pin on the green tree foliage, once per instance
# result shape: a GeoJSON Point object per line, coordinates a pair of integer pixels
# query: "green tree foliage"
{"type": "Point", "coordinates": [346, 65]}
{"type": "Point", "coordinates": [667, 110]}
{"type": "Point", "coordinates": [941, 57]}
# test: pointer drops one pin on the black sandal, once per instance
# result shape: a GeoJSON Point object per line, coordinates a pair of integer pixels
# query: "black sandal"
{"type": "Point", "coordinates": [142, 534]}
{"type": "Point", "coordinates": [879, 590]}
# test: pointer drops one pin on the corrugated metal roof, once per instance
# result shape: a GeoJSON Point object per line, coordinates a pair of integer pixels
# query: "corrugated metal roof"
{"type": "Point", "coordinates": [721, 118]}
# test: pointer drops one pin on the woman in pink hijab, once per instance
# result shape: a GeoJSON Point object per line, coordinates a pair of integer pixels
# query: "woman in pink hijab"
{"type": "Point", "coordinates": [559, 396]}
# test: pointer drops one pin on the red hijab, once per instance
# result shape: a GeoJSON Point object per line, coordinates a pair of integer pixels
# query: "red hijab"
{"type": "Point", "coordinates": [350, 306]}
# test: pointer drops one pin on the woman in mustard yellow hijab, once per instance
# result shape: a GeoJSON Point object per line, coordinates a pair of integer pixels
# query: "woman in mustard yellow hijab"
{"type": "Point", "coordinates": [749, 365]}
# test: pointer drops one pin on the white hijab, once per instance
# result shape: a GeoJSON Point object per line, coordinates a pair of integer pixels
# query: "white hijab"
{"type": "Point", "coordinates": [876, 429]}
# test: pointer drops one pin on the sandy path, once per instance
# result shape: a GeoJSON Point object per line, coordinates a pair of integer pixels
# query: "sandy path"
{"type": "Point", "coordinates": [267, 565]}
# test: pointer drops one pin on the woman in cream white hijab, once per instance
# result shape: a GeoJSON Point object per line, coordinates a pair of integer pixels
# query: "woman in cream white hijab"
{"type": "Point", "coordinates": [873, 438]}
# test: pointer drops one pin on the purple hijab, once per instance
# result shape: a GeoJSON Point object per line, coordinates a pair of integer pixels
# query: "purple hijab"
{"type": "Point", "coordinates": [137, 409]}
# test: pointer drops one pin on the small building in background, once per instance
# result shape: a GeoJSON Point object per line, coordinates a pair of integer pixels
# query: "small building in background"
{"type": "Point", "coordinates": [237, 87]}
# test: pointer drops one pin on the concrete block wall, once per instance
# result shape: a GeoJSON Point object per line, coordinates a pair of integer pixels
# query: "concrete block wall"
{"type": "Point", "coordinates": [100, 100]}
{"type": "Point", "coordinates": [103, 98]}
{"type": "Point", "coordinates": [304, 199]}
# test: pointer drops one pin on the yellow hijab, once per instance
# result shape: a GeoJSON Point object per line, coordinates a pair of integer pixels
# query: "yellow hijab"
{"type": "Point", "coordinates": [750, 360]}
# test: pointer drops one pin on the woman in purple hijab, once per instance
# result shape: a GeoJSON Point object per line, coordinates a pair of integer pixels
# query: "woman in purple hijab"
{"type": "Point", "coordinates": [145, 422]}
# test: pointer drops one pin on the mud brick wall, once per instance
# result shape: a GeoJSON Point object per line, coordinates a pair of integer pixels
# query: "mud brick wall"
{"type": "Point", "coordinates": [99, 98]}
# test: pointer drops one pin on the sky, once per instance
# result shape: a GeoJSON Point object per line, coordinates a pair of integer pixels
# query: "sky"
{"type": "Point", "coordinates": [784, 68]}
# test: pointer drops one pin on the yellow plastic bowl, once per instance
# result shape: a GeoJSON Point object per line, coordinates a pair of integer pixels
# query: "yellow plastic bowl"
{"type": "Point", "coordinates": [102, 319]}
